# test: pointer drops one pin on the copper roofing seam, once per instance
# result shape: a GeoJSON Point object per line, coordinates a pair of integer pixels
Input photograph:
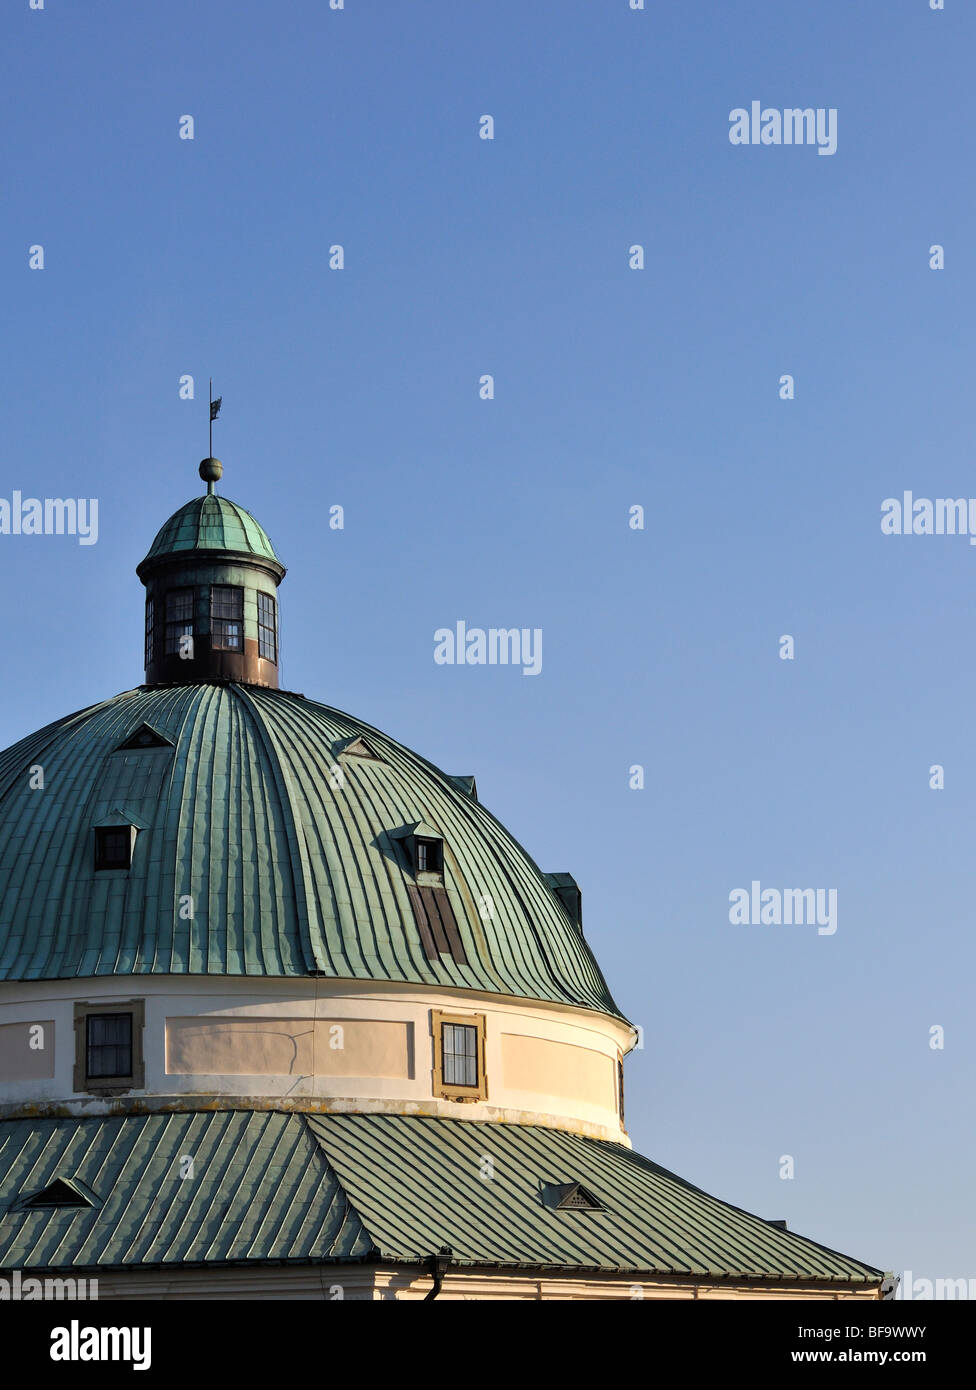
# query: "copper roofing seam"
{"type": "Point", "coordinates": [336, 846]}
{"type": "Point", "coordinates": [418, 1181]}
{"type": "Point", "coordinates": [374, 1158]}
{"type": "Point", "coordinates": [590, 979]}
{"type": "Point", "coordinates": [677, 1194]}
{"type": "Point", "coordinates": [510, 935]}
{"type": "Point", "coordinates": [310, 932]}
{"type": "Point", "coordinates": [275, 758]}
{"type": "Point", "coordinates": [548, 1147]}
{"type": "Point", "coordinates": [261, 1177]}
{"type": "Point", "coordinates": [402, 766]}
{"type": "Point", "coordinates": [211, 524]}
{"type": "Point", "coordinates": [368, 787]}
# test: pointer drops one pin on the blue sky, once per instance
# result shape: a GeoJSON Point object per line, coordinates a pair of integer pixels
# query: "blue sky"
{"type": "Point", "coordinates": [613, 387]}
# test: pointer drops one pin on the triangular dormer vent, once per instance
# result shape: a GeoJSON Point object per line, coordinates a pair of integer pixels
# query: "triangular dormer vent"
{"type": "Point", "coordinates": [573, 1196]}
{"type": "Point", "coordinates": [144, 737]}
{"type": "Point", "coordinates": [62, 1192]}
{"type": "Point", "coordinates": [356, 748]}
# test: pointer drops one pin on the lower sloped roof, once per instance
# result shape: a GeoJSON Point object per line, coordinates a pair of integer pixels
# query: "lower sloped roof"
{"type": "Point", "coordinates": [277, 1187]}
{"type": "Point", "coordinates": [420, 1183]}
{"type": "Point", "coordinates": [260, 1190]}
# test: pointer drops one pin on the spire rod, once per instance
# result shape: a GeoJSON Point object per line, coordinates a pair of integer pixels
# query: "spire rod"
{"type": "Point", "coordinates": [214, 412]}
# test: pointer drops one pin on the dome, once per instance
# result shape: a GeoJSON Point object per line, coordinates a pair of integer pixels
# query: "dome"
{"type": "Point", "coordinates": [237, 923]}
{"type": "Point", "coordinates": [287, 825]}
{"type": "Point", "coordinates": [211, 523]}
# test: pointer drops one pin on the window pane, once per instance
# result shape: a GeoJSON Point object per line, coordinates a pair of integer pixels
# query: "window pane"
{"type": "Point", "coordinates": [267, 645]}
{"type": "Point", "coordinates": [428, 856]}
{"type": "Point", "coordinates": [225, 636]}
{"type": "Point", "coordinates": [113, 847]}
{"type": "Point", "coordinates": [150, 619]}
{"type": "Point", "coordinates": [459, 1045]}
{"type": "Point", "coordinates": [174, 631]}
{"type": "Point", "coordinates": [226, 602]}
{"type": "Point", "coordinates": [226, 618]}
{"type": "Point", "coordinates": [109, 1045]}
{"type": "Point", "coordinates": [179, 604]}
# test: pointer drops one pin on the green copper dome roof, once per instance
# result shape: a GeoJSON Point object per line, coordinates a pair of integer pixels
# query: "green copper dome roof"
{"type": "Point", "coordinates": [212, 523]}
{"type": "Point", "coordinates": [282, 821]}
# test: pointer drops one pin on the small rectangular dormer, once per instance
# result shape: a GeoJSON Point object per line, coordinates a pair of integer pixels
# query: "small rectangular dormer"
{"type": "Point", "coordinates": [113, 846]}
{"type": "Point", "coordinates": [430, 856]}
{"type": "Point", "coordinates": [425, 849]}
{"type": "Point", "coordinates": [429, 898]}
{"type": "Point", "coordinates": [568, 892]}
{"type": "Point", "coordinates": [115, 839]}
{"type": "Point", "coordinates": [464, 784]}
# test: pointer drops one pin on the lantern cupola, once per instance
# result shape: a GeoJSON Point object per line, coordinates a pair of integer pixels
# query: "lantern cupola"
{"type": "Point", "coordinates": [211, 578]}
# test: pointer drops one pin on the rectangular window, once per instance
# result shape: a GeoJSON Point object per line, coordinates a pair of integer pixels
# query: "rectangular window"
{"type": "Point", "coordinates": [459, 1042]}
{"type": "Point", "coordinates": [113, 847]}
{"type": "Point", "coordinates": [267, 632]}
{"type": "Point", "coordinates": [179, 618]}
{"type": "Point", "coordinates": [429, 859]}
{"type": "Point", "coordinates": [109, 1045]}
{"type": "Point", "coordinates": [226, 618]}
{"type": "Point", "coordinates": [459, 1056]}
{"type": "Point", "coordinates": [150, 619]}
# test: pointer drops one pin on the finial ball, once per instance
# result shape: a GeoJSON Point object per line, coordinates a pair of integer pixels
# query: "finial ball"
{"type": "Point", "coordinates": [211, 470]}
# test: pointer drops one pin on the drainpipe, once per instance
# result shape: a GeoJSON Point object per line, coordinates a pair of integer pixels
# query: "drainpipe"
{"type": "Point", "coordinates": [438, 1265]}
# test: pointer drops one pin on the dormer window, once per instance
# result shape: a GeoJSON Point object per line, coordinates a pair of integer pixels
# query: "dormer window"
{"type": "Point", "coordinates": [429, 856]}
{"type": "Point", "coordinates": [226, 618]}
{"type": "Point", "coordinates": [179, 619]}
{"type": "Point", "coordinates": [424, 848]}
{"type": "Point", "coordinates": [113, 846]}
{"type": "Point", "coordinates": [567, 891]}
{"type": "Point", "coordinates": [267, 628]}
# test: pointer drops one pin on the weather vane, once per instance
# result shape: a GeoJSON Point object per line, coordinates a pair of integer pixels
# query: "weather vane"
{"type": "Point", "coordinates": [214, 412]}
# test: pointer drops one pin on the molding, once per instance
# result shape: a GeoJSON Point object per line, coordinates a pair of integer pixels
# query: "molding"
{"type": "Point", "coordinates": [109, 1085]}
{"type": "Point", "coordinates": [446, 1090]}
{"type": "Point", "coordinates": [94, 1107]}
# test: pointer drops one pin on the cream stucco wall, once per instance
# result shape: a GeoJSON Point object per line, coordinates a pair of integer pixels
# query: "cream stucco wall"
{"type": "Point", "coordinates": [27, 1050]}
{"type": "Point", "coordinates": [318, 1045]}
{"type": "Point", "coordinates": [289, 1047]}
{"type": "Point", "coordinates": [534, 1065]}
{"type": "Point", "coordinates": [413, 1282]}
